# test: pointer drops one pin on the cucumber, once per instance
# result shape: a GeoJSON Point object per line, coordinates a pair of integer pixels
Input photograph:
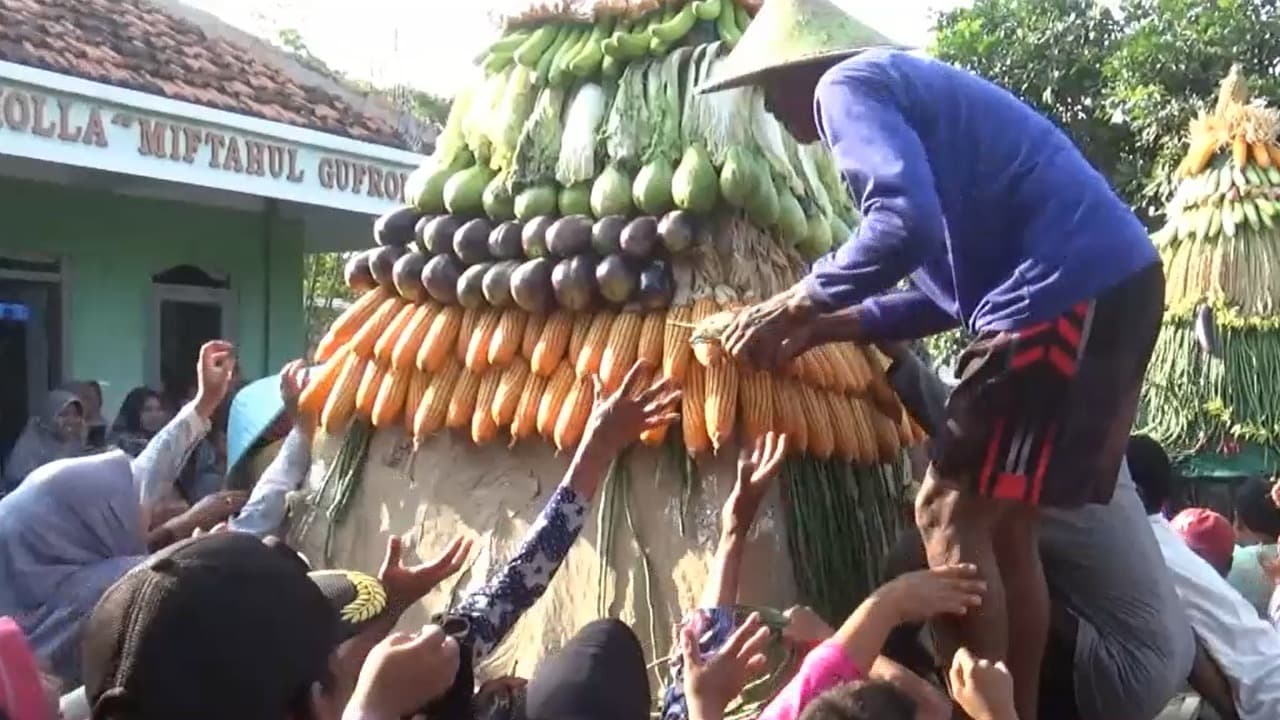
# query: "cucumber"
{"type": "Point", "coordinates": [509, 43]}
{"type": "Point", "coordinates": [542, 73]}
{"type": "Point", "coordinates": [707, 9]}
{"type": "Point", "coordinates": [741, 17]}
{"type": "Point", "coordinates": [635, 44]}
{"type": "Point", "coordinates": [611, 67]}
{"type": "Point", "coordinates": [679, 25]}
{"type": "Point", "coordinates": [589, 57]}
{"type": "Point", "coordinates": [726, 24]}
{"type": "Point", "coordinates": [495, 63]}
{"type": "Point", "coordinates": [577, 39]}
{"type": "Point", "coordinates": [536, 45]}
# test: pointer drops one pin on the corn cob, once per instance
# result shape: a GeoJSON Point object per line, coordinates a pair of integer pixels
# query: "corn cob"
{"type": "Point", "coordinates": [844, 429]}
{"type": "Point", "coordinates": [755, 405]}
{"type": "Point", "coordinates": [552, 343]}
{"type": "Point", "coordinates": [811, 370]}
{"type": "Point", "coordinates": [886, 435]}
{"type": "Point", "coordinates": [470, 318]}
{"type": "Point", "coordinates": [789, 414]}
{"type": "Point", "coordinates": [406, 350]}
{"type": "Point", "coordinates": [341, 404]}
{"type": "Point", "coordinates": [1274, 152]}
{"type": "Point", "coordinates": [862, 413]}
{"type": "Point", "coordinates": [434, 407]}
{"type": "Point", "coordinates": [620, 350]}
{"type": "Point", "coordinates": [321, 384]}
{"type": "Point", "coordinates": [1240, 151]}
{"type": "Point", "coordinates": [462, 404]}
{"type": "Point", "coordinates": [483, 428]}
{"type": "Point", "coordinates": [652, 437]}
{"type": "Point", "coordinates": [506, 337]}
{"type": "Point", "coordinates": [553, 397]}
{"type": "Point", "coordinates": [507, 396]}
{"type": "Point", "coordinates": [703, 308]}
{"type": "Point", "coordinates": [841, 376]}
{"type": "Point", "coordinates": [578, 335]}
{"type": "Point", "coordinates": [588, 360]}
{"type": "Point", "coordinates": [387, 341]}
{"type": "Point", "coordinates": [437, 346]}
{"type": "Point", "coordinates": [477, 357]}
{"type": "Point", "coordinates": [1198, 156]}
{"type": "Point", "coordinates": [721, 403]}
{"type": "Point", "coordinates": [1261, 157]}
{"type": "Point", "coordinates": [388, 406]}
{"type": "Point", "coordinates": [369, 386]}
{"type": "Point", "coordinates": [878, 390]}
{"type": "Point", "coordinates": [649, 345]}
{"type": "Point", "coordinates": [573, 415]}
{"type": "Point", "coordinates": [675, 343]}
{"type": "Point", "coordinates": [525, 422]}
{"type": "Point", "coordinates": [532, 333]}
{"type": "Point", "coordinates": [821, 441]}
{"type": "Point", "coordinates": [693, 417]}
{"type": "Point", "coordinates": [367, 336]}
{"type": "Point", "coordinates": [413, 399]}
{"type": "Point", "coordinates": [855, 365]}
{"type": "Point", "coordinates": [349, 322]}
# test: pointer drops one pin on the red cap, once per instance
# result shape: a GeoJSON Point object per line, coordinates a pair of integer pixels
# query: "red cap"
{"type": "Point", "coordinates": [22, 696]}
{"type": "Point", "coordinates": [1206, 532]}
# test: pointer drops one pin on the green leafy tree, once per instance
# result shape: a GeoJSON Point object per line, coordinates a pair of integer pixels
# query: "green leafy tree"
{"type": "Point", "coordinates": [324, 293]}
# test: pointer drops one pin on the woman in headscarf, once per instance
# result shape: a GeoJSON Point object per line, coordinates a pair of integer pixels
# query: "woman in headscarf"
{"type": "Point", "coordinates": [56, 433]}
{"type": "Point", "coordinates": [95, 426]}
{"type": "Point", "coordinates": [141, 416]}
{"type": "Point", "coordinates": [77, 525]}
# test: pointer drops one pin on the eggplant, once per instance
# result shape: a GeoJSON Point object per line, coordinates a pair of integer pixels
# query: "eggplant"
{"type": "Point", "coordinates": [396, 227]}
{"type": "Point", "coordinates": [382, 264]}
{"type": "Point", "coordinates": [1206, 330]}
{"type": "Point", "coordinates": [471, 241]}
{"type": "Point", "coordinates": [497, 283]}
{"type": "Point", "coordinates": [656, 286]}
{"type": "Point", "coordinates": [531, 285]}
{"type": "Point", "coordinates": [471, 285]}
{"type": "Point", "coordinates": [574, 282]}
{"type": "Point", "coordinates": [437, 234]}
{"type": "Point", "coordinates": [440, 278]}
{"type": "Point", "coordinates": [420, 233]}
{"type": "Point", "coordinates": [606, 234]}
{"type": "Point", "coordinates": [406, 275]}
{"type": "Point", "coordinates": [639, 237]}
{"type": "Point", "coordinates": [677, 231]}
{"type": "Point", "coordinates": [357, 273]}
{"type": "Point", "coordinates": [505, 242]}
{"type": "Point", "coordinates": [534, 236]}
{"type": "Point", "coordinates": [569, 236]}
{"type": "Point", "coordinates": [617, 281]}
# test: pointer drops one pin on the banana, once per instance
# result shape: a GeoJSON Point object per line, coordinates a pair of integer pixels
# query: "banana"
{"type": "Point", "coordinates": [1228, 221]}
{"type": "Point", "coordinates": [578, 39]}
{"type": "Point", "coordinates": [542, 71]}
{"type": "Point", "coordinates": [1204, 221]}
{"type": "Point", "coordinates": [1186, 225]}
{"type": "Point", "coordinates": [1264, 210]}
{"type": "Point", "coordinates": [1254, 177]}
{"type": "Point", "coordinates": [1273, 174]}
{"type": "Point", "coordinates": [1237, 175]}
{"type": "Point", "coordinates": [1224, 179]}
{"type": "Point", "coordinates": [740, 16]}
{"type": "Point", "coordinates": [1250, 214]}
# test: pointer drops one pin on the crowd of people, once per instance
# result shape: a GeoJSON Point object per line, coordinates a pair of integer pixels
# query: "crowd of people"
{"type": "Point", "coordinates": [1044, 577]}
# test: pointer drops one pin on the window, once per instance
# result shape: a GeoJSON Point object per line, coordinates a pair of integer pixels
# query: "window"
{"type": "Point", "coordinates": [30, 340]}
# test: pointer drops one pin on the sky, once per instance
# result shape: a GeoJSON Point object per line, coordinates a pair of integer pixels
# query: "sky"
{"type": "Point", "coordinates": [430, 44]}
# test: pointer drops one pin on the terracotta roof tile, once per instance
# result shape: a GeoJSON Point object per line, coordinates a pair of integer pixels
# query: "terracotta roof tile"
{"type": "Point", "coordinates": [134, 45]}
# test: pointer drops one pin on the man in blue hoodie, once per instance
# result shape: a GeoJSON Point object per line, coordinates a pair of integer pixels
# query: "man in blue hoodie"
{"type": "Point", "coordinates": [1000, 226]}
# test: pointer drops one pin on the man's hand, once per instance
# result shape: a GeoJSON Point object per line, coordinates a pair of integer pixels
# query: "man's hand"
{"type": "Point", "coordinates": [710, 684]}
{"type": "Point", "coordinates": [214, 371]}
{"type": "Point", "coordinates": [404, 673]}
{"type": "Point", "coordinates": [211, 510]}
{"type": "Point", "coordinates": [1275, 491]}
{"type": "Point", "coordinates": [407, 585]}
{"type": "Point", "coordinates": [921, 595]}
{"type": "Point", "coordinates": [984, 689]}
{"type": "Point", "coordinates": [293, 379]}
{"type": "Point", "coordinates": [618, 419]}
{"type": "Point", "coordinates": [770, 334]}
{"type": "Point", "coordinates": [757, 469]}
{"type": "Point", "coordinates": [805, 630]}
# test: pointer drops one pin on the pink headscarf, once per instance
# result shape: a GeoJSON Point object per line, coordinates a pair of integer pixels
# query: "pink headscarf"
{"type": "Point", "coordinates": [22, 695]}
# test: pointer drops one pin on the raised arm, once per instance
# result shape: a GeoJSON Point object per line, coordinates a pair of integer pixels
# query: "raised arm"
{"type": "Point", "coordinates": [616, 421]}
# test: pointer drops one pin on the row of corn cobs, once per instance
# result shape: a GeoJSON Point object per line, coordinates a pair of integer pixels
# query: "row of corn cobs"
{"type": "Point", "coordinates": [427, 367]}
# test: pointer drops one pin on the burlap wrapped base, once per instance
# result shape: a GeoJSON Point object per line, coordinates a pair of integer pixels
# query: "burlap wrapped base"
{"type": "Point", "coordinates": [452, 487]}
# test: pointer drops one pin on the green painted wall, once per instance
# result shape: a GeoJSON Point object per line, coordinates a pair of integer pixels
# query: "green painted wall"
{"type": "Point", "coordinates": [111, 246]}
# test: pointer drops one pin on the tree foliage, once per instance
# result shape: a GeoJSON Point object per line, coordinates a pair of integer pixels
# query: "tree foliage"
{"type": "Point", "coordinates": [1125, 83]}
{"type": "Point", "coordinates": [324, 293]}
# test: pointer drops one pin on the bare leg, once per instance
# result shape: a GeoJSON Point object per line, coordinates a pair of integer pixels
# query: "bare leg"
{"type": "Point", "coordinates": [958, 528]}
{"type": "Point", "coordinates": [1017, 551]}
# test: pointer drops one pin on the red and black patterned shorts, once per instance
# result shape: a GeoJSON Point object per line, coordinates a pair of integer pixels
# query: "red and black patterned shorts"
{"type": "Point", "coordinates": [1042, 415]}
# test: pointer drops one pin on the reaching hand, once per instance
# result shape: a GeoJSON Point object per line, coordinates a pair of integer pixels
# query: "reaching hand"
{"type": "Point", "coordinates": [984, 689]}
{"type": "Point", "coordinates": [1275, 491]}
{"type": "Point", "coordinates": [1269, 560]}
{"type": "Point", "coordinates": [757, 469]}
{"type": "Point", "coordinates": [620, 418]}
{"type": "Point", "coordinates": [293, 378]}
{"type": "Point", "coordinates": [403, 673]}
{"type": "Point", "coordinates": [921, 595]}
{"type": "Point", "coordinates": [711, 683]}
{"type": "Point", "coordinates": [215, 371]}
{"type": "Point", "coordinates": [805, 629]}
{"type": "Point", "coordinates": [213, 509]}
{"type": "Point", "coordinates": [407, 585]}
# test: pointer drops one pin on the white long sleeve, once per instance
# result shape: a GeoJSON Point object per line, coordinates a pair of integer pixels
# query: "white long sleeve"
{"type": "Point", "coordinates": [156, 468]}
{"type": "Point", "coordinates": [264, 512]}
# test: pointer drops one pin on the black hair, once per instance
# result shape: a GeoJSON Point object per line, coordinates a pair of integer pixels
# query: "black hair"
{"type": "Point", "coordinates": [130, 416]}
{"type": "Point", "coordinates": [861, 700]}
{"type": "Point", "coordinates": [1255, 509]}
{"type": "Point", "coordinates": [1151, 471]}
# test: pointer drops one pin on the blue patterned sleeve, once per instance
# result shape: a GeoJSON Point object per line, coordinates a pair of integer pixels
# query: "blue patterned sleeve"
{"type": "Point", "coordinates": [494, 609]}
{"type": "Point", "coordinates": [713, 626]}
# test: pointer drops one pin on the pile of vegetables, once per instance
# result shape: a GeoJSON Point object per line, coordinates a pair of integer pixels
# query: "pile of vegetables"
{"type": "Point", "coordinates": [1206, 389]}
